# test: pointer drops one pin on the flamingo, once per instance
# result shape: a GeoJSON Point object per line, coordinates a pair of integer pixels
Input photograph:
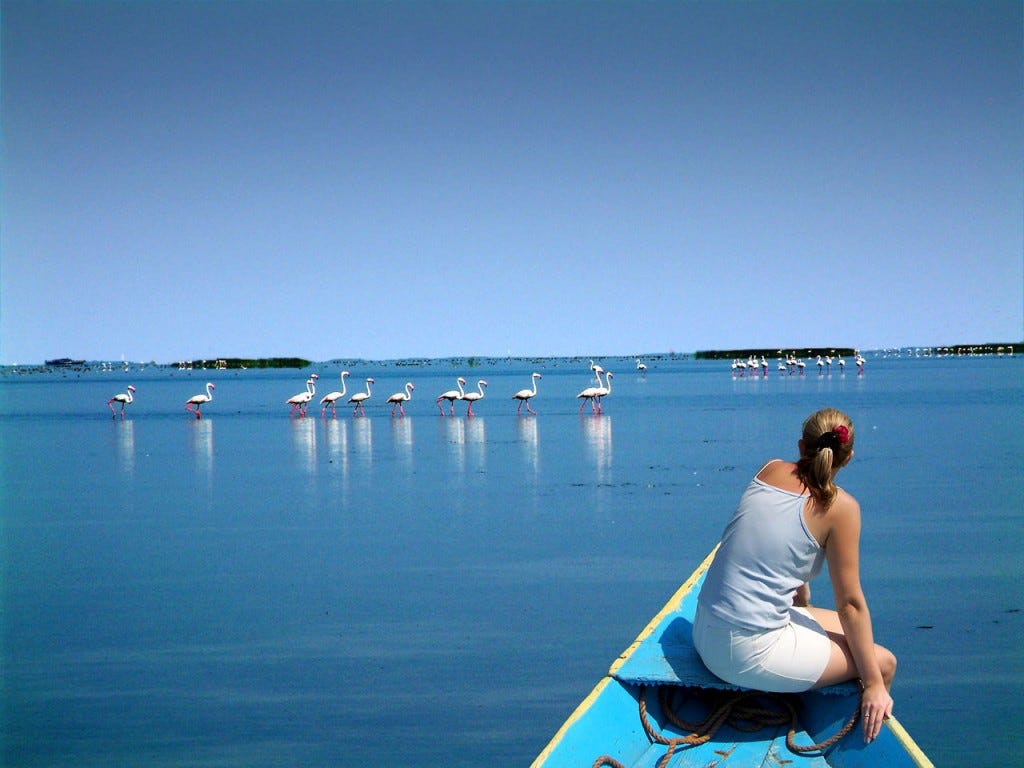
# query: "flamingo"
{"type": "Point", "coordinates": [451, 396]}
{"type": "Point", "coordinates": [842, 363]}
{"type": "Point", "coordinates": [301, 400]}
{"type": "Point", "coordinates": [524, 395]}
{"type": "Point", "coordinates": [605, 390]}
{"type": "Point", "coordinates": [821, 365]}
{"type": "Point", "coordinates": [194, 403]}
{"type": "Point", "coordinates": [125, 398]}
{"type": "Point", "coordinates": [332, 398]}
{"type": "Point", "coordinates": [641, 366]}
{"type": "Point", "coordinates": [361, 397]}
{"type": "Point", "coordinates": [590, 394]}
{"type": "Point", "coordinates": [401, 398]}
{"type": "Point", "coordinates": [764, 367]}
{"type": "Point", "coordinates": [472, 397]}
{"type": "Point", "coordinates": [597, 369]}
{"type": "Point", "coordinates": [859, 359]}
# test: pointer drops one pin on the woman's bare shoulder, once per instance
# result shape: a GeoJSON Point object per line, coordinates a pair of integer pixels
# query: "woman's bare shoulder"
{"type": "Point", "coordinates": [781, 474]}
{"type": "Point", "coordinates": [844, 506]}
{"type": "Point", "coordinates": [846, 499]}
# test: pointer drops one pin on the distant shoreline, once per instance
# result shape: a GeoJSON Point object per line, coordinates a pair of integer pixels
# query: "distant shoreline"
{"type": "Point", "coordinates": [473, 361]}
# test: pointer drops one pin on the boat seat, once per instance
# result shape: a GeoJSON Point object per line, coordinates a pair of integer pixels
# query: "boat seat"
{"type": "Point", "coordinates": [667, 657]}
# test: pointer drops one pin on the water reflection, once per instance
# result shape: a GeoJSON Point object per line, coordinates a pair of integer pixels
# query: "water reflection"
{"type": "Point", "coordinates": [476, 443]}
{"type": "Point", "coordinates": [200, 439]}
{"type": "Point", "coordinates": [124, 434]}
{"type": "Point", "coordinates": [362, 438]}
{"type": "Point", "coordinates": [597, 435]}
{"type": "Point", "coordinates": [527, 429]}
{"type": "Point", "coordinates": [453, 432]}
{"type": "Point", "coordinates": [304, 438]}
{"type": "Point", "coordinates": [401, 435]}
{"type": "Point", "coordinates": [337, 443]}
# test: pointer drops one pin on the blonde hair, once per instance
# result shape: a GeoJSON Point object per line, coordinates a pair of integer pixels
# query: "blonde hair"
{"type": "Point", "coordinates": [827, 446]}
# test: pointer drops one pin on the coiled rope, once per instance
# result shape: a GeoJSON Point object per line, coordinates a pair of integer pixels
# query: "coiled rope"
{"type": "Point", "coordinates": [747, 711]}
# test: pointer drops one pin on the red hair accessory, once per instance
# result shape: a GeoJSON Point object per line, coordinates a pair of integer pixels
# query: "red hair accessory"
{"type": "Point", "coordinates": [843, 434]}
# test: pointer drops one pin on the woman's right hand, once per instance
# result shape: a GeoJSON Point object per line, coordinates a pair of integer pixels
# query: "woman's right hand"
{"type": "Point", "coordinates": [875, 707]}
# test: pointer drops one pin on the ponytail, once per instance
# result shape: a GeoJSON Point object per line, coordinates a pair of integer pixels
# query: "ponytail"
{"type": "Point", "coordinates": [827, 446]}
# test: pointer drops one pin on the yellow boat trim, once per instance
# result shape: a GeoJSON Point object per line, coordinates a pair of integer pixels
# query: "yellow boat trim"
{"type": "Point", "coordinates": [916, 754]}
{"type": "Point", "coordinates": [576, 715]}
{"type": "Point", "coordinates": [672, 605]}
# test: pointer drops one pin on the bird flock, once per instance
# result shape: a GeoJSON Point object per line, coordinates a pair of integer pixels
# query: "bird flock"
{"type": "Point", "coordinates": [792, 365]}
{"type": "Point", "coordinates": [299, 403]}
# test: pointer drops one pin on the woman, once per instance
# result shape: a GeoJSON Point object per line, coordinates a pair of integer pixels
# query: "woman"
{"type": "Point", "coordinates": [755, 626]}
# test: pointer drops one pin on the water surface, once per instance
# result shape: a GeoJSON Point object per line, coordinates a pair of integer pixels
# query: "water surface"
{"type": "Point", "coordinates": [251, 589]}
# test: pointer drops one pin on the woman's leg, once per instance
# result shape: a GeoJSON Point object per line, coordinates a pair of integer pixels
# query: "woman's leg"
{"type": "Point", "coordinates": [841, 666]}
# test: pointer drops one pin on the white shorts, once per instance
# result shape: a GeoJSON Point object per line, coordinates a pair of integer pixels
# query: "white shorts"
{"type": "Point", "coordinates": [789, 659]}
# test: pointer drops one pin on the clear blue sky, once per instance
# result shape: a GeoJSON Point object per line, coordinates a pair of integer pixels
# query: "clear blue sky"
{"type": "Point", "coordinates": [425, 179]}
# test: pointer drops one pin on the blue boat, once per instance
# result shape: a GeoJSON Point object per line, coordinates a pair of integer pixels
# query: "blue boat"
{"type": "Point", "coordinates": [659, 706]}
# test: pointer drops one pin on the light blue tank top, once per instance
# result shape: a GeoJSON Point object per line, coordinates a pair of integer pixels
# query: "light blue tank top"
{"type": "Point", "coordinates": [765, 554]}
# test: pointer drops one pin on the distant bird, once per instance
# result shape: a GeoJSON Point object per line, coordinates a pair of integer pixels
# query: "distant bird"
{"type": "Point", "coordinates": [604, 391]}
{"type": "Point", "coordinates": [821, 365]}
{"type": "Point", "coordinates": [472, 397]}
{"type": "Point", "coordinates": [300, 401]}
{"type": "Point", "coordinates": [859, 359]}
{"type": "Point", "coordinates": [641, 366]}
{"type": "Point", "coordinates": [451, 396]}
{"type": "Point", "coordinates": [401, 398]}
{"type": "Point", "coordinates": [194, 403]}
{"type": "Point", "coordinates": [842, 363]}
{"type": "Point", "coordinates": [524, 395]}
{"type": "Point", "coordinates": [764, 366]}
{"type": "Point", "coordinates": [332, 398]}
{"type": "Point", "coordinates": [361, 397]}
{"type": "Point", "coordinates": [125, 398]}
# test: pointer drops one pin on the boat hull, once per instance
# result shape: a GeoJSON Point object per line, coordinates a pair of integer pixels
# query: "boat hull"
{"type": "Point", "coordinates": [608, 722]}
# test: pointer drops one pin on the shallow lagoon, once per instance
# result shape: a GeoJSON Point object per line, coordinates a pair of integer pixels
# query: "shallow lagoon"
{"type": "Point", "coordinates": [250, 589]}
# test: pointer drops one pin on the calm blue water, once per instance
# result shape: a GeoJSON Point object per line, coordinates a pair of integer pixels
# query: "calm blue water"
{"type": "Point", "coordinates": [255, 590]}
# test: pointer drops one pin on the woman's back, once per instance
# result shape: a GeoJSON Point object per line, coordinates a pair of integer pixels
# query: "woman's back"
{"type": "Point", "coordinates": [767, 552]}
